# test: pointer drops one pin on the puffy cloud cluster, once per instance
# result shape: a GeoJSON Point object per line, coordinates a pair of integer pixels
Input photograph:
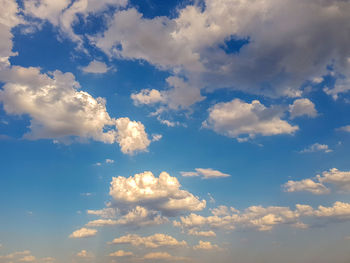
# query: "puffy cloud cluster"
{"type": "Point", "coordinates": [161, 193]}
{"type": "Point", "coordinates": [85, 254]}
{"type": "Point", "coordinates": [317, 147]}
{"type": "Point", "coordinates": [83, 232]}
{"type": "Point", "coordinates": [154, 241]}
{"type": "Point", "coordinates": [338, 179]}
{"type": "Point", "coordinates": [241, 120]}
{"type": "Point", "coordinates": [284, 46]}
{"type": "Point", "coordinates": [265, 218]}
{"type": "Point", "coordinates": [59, 110]}
{"type": "Point", "coordinates": [138, 216]}
{"type": "Point", "coordinates": [206, 173]}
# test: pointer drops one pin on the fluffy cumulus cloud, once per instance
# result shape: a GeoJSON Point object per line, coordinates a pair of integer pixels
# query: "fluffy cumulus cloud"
{"type": "Point", "coordinates": [154, 241]}
{"type": "Point", "coordinates": [83, 233]}
{"type": "Point", "coordinates": [242, 120]}
{"type": "Point", "coordinates": [96, 67]}
{"type": "Point", "coordinates": [307, 185]}
{"type": "Point", "coordinates": [339, 180]}
{"type": "Point", "coordinates": [206, 173]}
{"type": "Point", "coordinates": [161, 193]}
{"type": "Point", "coordinates": [317, 147]}
{"type": "Point", "coordinates": [131, 136]}
{"type": "Point", "coordinates": [344, 128]}
{"type": "Point", "coordinates": [59, 110]}
{"type": "Point", "coordinates": [302, 107]}
{"type": "Point", "coordinates": [23, 256]}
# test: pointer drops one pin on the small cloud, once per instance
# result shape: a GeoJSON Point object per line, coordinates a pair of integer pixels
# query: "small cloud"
{"type": "Point", "coordinates": [86, 194]}
{"type": "Point", "coordinates": [317, 147]}
{"type": "Point", "coordinates": [156, 137]}
{"type": "Point", "coordinates": [344, 128]}
{"type": "Point", "coordinates": [109, 161]}
{"type": "Point", "coordinates": [83, 233]}
{"type": "Point", "coordinates": [205, 173]}
{"type": "Point", "coordinates": [84, 254]}
{"type": "Point", "coordinates": [96, 67]}
{"type": "Point", "coordinates": [121, 253]}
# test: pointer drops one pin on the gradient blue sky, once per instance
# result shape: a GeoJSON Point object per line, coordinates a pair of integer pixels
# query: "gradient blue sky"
{"type": "Point", "coordinates": [175, 131]}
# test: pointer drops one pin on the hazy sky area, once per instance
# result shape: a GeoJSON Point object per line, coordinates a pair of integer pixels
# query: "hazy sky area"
{"type": "Point", "coordinates": [175, 131]}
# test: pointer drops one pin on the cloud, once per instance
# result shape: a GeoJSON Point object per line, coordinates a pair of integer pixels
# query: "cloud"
{"type": "Point", "coordinates": [302, 107]}
{"type": "Point", "coordinates": [316, 147]}
{"type": "Point", "coordinates": [161, 193]}
{"type": "Point", "coordinates": [180, 95]}
{"type": "Point", "coordinates": [131, 136]}
{"type": "Point", "coordinates": [195, 232]}
{"type": "Point", "coordinates": [104, 213]}
{"type": "Point", "coordinates": [156, 137]}
{"type": "Point", "coordinates": [241, 120]}
{"type": "Point", "coordinates": [147, 97]}
{"type": "Point", "coordinates": [338, 179]}
{"type": "Point", "coordinates": [138, 216]}
{"type": "Point", "coordinates": [20, 256]}
{"type": "Point", "coordinates": [109, 161]}
{"type": "Point", "coordinates": [84, 254]}
{"type": "Point", "coordinates": [344, 128]}
{"type": "Point", "coordinates": [8, 20]}
{"type": "Point", "coordinates": [307, 185]}
{"type": "Point", "coordinates": [121, 253]}
{"type": "Point", "coordinates": [202, 245]}
{"type": "Point", "coordinates": [96, 67]}
{"type": "Point", "coordinates": [158, 255]}
{"type": "Point", "coordinates": [154, 241]}
{"type": "Point", "coordinates": [83, 233]}
{"type": "Point", "coordinates": [206, 173]}
{"type": "Point", "coordinates": [28, 258]}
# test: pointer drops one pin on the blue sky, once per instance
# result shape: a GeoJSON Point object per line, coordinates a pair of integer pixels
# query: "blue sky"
{"type": "Point", "coordinates": [174, 131]}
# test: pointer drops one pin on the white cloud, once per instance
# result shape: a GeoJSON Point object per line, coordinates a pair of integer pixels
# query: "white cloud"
{"type": "Point", "coordinates": [156, 137]}
{"type": "Point", "coordinates": [56, 107]}
{"type": "Point", "coordinates": [28, 258]}
{"type": "Point", "coordinates": [102, 222]}
{"type": "Point", "coordinates": [83, 233]}
{"type": "Point", "coordinates": [206, 173]}
{"type": "Point", "coordinates": [344, 128]}
{"type": "Point", "coordinates": [302, 107]}
{"type": "Point", "coordinates": [338, 179]}
{"type": "Point", "coordinates": [104, 213]}
{"type": "Point", "coordinates": [161, 193]}
{"type": "Point", "coordinates": [154, 241]}
{"type": "Point", "coordinates": [121, 253]}
{"type": "Point", "coordinates": [202, 245]}
{"type": "Point", "coordinates": [307, 185]}
{"type": "Point", "coordinates": [317, 147]}
{"type": "Point", "coordinates": [8, 20]}
{"type": "Point", "coordinates": [131, 136]}
{"type": "Point", "coordinates": [96, 67]}
{"type": "Point", "coordinates": [237, 118]}
{"type": "Point", "coordinates": [109, 161]}
{"type": "Point", "coordinates": [147, 97]}
{"type": "Point", "coordinates": [58, 110]}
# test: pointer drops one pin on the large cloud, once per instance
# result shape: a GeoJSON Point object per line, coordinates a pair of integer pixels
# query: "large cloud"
{"type": "Point", "coordinates": [59, 110]}
{"type": "Point", "coordinates": [161, 193]}
{"type": "Point", "coordinates": [242, 120]}
{"type": "Point", "coordinates": [285, 44]}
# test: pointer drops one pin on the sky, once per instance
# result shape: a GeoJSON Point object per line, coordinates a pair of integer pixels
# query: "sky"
{"type": "Point", "coordinates": [175, 131]}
